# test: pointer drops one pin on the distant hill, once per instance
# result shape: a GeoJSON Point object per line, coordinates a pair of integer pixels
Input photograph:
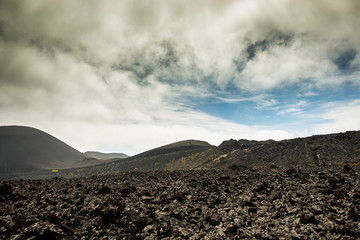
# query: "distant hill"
{"type": "Point", "coordinates": [162, 158]}
{"type": "Point", "coordinates": [33, 149]}
{"type": "Point", "coordinates": [168, 157]}
{"type": "Point", "coordinates": [104, 156]}
{"type": "Point", "coordinates": [24, 149]}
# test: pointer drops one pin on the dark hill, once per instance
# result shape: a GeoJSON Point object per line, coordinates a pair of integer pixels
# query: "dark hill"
{"type": "Point", "coordinates": [319, 150]}
{"type": "Point", "coordinates": [181, 146]}
{"type": "Point", "coordinates": [24, 149]}
{"type": "Point", "coordinates": [162, 158]}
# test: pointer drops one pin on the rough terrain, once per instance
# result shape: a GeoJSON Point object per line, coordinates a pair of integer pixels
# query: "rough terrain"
{"type": "Point", "coordinates": [318, 150]}
{"type": "Point", "coordinates": [321, 150]}
{"type": "Point", "coordinates": [233, 203]}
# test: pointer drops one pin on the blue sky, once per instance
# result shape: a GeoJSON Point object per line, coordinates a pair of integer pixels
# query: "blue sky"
{"type": "Point", "coordinates": [281, 106]}
{"type": "Point", "coordinates": [128, 76]}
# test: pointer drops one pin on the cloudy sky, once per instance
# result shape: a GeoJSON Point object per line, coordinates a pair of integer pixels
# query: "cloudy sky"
{"type": "Point", "coordinates": [131, 75]}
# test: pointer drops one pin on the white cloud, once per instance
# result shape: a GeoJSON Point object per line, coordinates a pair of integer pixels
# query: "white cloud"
{"type": "Point", "coordinates": [118, 73]}
{"type": "Point", "coordinates": [291, 108]}
{"type": "Point", "coordinates": [281, 66]}
{"type": "Point", "coordinates": [341, 116]}
{"type": "Point", "coordinates": [206, 35]}
{"type": "Point", "coordinates": [133, 138]}
{"type": "Point", "coordinates": [262, 100]}
{"type": "Point", "coordinates": [307, 94]}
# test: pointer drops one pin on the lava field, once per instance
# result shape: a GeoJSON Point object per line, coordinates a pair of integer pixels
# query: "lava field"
{"type": "Point", "coordinates": [232, 203]}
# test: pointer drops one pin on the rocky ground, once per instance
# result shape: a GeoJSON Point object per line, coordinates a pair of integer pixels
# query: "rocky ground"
{"type": "Point", "coordinates": [234, 203]}
{"type": "Point", "coordinates": [318, 150]}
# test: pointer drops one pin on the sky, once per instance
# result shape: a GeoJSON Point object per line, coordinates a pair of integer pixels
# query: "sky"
{"type": "Point", "coordinates": [128, 76]}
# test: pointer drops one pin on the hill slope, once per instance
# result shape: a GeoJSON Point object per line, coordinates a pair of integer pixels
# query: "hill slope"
{"type": "Point", "coordinates": [339, 148]}
{"type": "Point", "coordinates": [104, 156]}
{"type": "Point", "coordinates": [320, 150]}
{"type": "Point", "coordinates": [162, 158]}
{"type": "Point", "coordinates": [24, 149]}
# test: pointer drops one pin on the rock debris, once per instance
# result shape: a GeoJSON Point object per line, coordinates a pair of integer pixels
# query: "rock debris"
{"type": "Point", "coordinates": [232, 203]}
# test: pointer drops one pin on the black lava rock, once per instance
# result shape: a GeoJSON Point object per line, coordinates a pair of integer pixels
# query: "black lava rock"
{"type": "Point", "coordinates": [201, 204]}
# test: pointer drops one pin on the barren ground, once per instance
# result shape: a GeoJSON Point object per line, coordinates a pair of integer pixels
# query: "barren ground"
{"type": "Point", "coordinates": [204, 204]}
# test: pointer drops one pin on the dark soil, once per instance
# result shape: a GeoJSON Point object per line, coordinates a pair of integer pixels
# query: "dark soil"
{"type": "Point", "coordinates": [232, 203]}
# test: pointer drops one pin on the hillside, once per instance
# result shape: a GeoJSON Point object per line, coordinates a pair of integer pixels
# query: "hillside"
{"type": "Point", "coordinates": [162, 158]}
{"type": "Point", "coordinates": [319, 150]}
{"type": "Point", "coordinates": [316, 151]}
{"type": "Point", "coordinates": [167, 157]}
{"type": "Point", "coordinates": [104, 156]}
{"type": "Point", "coordinates": [24, 149]}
